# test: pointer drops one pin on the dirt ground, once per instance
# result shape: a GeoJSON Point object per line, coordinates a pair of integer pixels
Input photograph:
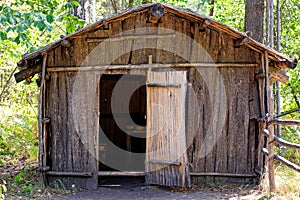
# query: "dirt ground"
{"type": "Point", "coordinates": [134, 188]}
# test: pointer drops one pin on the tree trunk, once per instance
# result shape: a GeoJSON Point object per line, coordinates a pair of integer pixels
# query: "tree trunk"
{"type": "Point", "coordinates": [269, 23]}
{"type": "Point", "coordinates": [278, 108]}
{"type": "Point", "coordinates": [212, 4]}
{"type": "Point", "coordinates": [86, 10]}
{"type": "Point", "coordinates": [254, 18]}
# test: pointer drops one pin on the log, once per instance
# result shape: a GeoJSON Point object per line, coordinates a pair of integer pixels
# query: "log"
{"type": "Point", "coordinates": [240, 42]}
{"type": "Point", "coordinates": [270, 109]}
{"type": "Point", "coordinates": [146, 66]}
{"type": "Point", "coordinates": [282, 142]}
{"type": "Point", "coordinates": [78, 174]}
{"type": "Point", "coordinates": [116, 173]}
{"type": "Point", "coordinates": [129, 37]}
{"type": "Point", "coordinates": [165, 162]}
{"type": "Point", "coordinates": [284, 122]}
{"type": "Point", "coordinates": [278, 75]}
{"type": "Point", "coordinates": [163, 85]}
{"type": "Point", "coordinates": [156, 12]}
{"type": "Point", "coordinates": [287, 163]}
{"type": "Point", "coordinates": [45, 120]}
{"type": "Point", "coordinates": [285, 143]}
{"type": "Point", "coordinates": [65, 43]}
{"type": "Point", "coordinates": [265, 151]}
{"type": "Point", "coordinates": [204, 25]}
{"type": "Point", "coordinates": [22, 63]}
{"type": "Point", "coordinates": [26, 73]}
{"type": "Point", "coordinates": [287, 112]}
{"type": "Point", "coordinates": [223, 174]}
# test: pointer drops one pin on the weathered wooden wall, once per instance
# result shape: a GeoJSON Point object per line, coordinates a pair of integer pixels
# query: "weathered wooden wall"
{"type": "Point", "coordinates": [235, 151]}
{"type": "Point", "coordinates": [218, 45]}
{"type": "Point", "coordinates": [72, 131]}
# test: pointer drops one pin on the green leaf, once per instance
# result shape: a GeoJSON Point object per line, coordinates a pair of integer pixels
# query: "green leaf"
{"type": "Point", "coordinates": [3, 35]}
{"type": "Point", "coordinates": [75, 3]}
{"type": "Point", "coordinates": [17, 40]}
{"type": "Point", "coordinates": [68, 5]}
{"type": "Point", "coordinates": [50, 18]}
{"type": "Point", "coordinates": [40, 25]}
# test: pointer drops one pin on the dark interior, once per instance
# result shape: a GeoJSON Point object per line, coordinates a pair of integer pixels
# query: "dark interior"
{"type": "Point", "coordinates": [117, 132]}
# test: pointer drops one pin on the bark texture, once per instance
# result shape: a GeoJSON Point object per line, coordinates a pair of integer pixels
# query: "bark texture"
{"type": "Point", "coordinates": [254, 18]}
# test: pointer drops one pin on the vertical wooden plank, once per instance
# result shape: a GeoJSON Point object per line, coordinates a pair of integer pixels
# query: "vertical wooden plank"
{"type": "Point", "coordinates": [226, 53]}
{"type": "Point", "coordinates": [222, 145]}
{"type": "Point", "coordinates": [59, 60]}
{"type": "Point", "coordinates": [63, 119]}
{"type": "Point", "coordinates": [51, 59]}
{"type": "Point", "coordinates": [53, 114]}
{"type": "Point", "coordinates": [128, 29]}
{"type": "Point", "coordinates": [167, 26]}
{"type": "Point", "coordinates": [242, 119]}
{"type": "Point", "coordinates": [139, 55]}
{"type": "Point", "coordinates": [116, 47]}
{"type": "Point", "coordinates": [232, 128]}
{"type": "Point", "coordinates": [214, 45]}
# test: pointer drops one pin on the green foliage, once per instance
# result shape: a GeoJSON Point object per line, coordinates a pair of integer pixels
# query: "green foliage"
{"type": "Point", "coordinates": [25, 22]}
{"type": "Point", "coordinates": [25, 25]}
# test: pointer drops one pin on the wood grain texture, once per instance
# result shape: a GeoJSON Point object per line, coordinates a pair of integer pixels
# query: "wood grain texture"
{"type": "Point", "coordinates": [72, 138]}
{"type": "Point", "coordinates": [166, 130]}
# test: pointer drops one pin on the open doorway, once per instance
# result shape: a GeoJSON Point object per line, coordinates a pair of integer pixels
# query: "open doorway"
{"type": "Point", "coordinates": [122, 123]}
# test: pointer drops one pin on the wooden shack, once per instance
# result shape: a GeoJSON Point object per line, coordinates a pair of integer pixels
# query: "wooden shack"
{"type": "Point", "coordinates": [200, 94]}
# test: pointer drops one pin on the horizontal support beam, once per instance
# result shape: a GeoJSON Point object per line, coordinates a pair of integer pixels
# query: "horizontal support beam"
{"type": "Point", "coordinates": [285, 122]}
{"type": "Point", "coordinates": [78, 174]}
{"type": "Point", "coordinates": [287, 163]}
{"type": "Point", "coordinates": [163, 85]}
{"type": "Point", "coordinates": [223, 174]}
{"type": "Point", "coordinates": [130, 173]}
{"type": "Point", "coordinates": [116, 173]}
{"type": "Point", "coordinates": [164, 162]}
{"type": "Point", "coordinates": [129, 37]}
{"type": "Point", "coordinates": [147, 66]}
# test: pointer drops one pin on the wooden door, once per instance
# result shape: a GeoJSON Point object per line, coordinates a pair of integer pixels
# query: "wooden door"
{"type": "Point", "coordinates": [166, 158]}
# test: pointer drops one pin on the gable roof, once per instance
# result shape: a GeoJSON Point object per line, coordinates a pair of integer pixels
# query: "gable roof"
{"type": "Point", "coordinates": [35, 57]}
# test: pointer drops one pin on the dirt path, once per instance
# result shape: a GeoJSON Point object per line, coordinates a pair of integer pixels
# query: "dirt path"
{"type": "Point", "coordinates": [135, 189]}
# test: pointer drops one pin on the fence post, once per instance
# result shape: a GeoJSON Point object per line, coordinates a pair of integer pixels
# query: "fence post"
{"type": "Point", "coordinates": [271, 158]}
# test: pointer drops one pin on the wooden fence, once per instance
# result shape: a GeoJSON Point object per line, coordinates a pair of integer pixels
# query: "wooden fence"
{"type": "Point", "coordinates": [268, 151]}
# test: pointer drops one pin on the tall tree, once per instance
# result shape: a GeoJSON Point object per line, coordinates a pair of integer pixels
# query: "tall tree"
{"type": "Point", "coordinates": [269, 23]}
{"type": "Point", "coordinates": [85, 10]}
{"type": "Point", "coordinates": [254, 18]}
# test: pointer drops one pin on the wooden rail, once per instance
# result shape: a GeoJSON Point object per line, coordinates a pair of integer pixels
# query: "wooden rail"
{"type": "Point", "coordinates": [79, 174]}
{"type": "Point", "coordinates": [285, 122]}
{"type": "Point", "coordinates": [278, 140]}
{"type": "Point", "coordinates": [281, 141]}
